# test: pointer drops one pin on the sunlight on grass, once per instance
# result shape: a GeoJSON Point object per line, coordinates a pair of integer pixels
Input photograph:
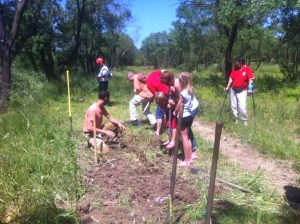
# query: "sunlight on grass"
{"type": "Point", "coordinates": [40, 157]}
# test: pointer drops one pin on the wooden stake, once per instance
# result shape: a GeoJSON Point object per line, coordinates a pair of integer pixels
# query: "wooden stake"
{"type": "Point", "coordinates": [69, 102]}
{"type": "Point", "coordinates": [213, 171]}
{"type": "Point", "coordinates": [95, 140]}
{"type": "Point", "coordinates": [174, 166]}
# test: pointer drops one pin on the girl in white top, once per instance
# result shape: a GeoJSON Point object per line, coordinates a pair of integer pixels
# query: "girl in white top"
{"type": "Point", "coordinates": [186, 98]}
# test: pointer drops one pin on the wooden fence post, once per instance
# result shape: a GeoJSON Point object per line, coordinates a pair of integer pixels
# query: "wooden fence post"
{"type": "Point", "coordinates": [213, 171]}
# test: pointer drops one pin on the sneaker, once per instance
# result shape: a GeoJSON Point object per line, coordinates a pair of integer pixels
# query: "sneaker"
{"type": "Point", "coordinates": [133, 122]}
{"type": "Point", "coordinates": [245, 123]}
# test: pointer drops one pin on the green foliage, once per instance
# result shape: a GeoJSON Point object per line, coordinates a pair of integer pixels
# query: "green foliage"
{"type": "Point", "coordinates": [274, 127]}
{"type": "Point", "coordinates": [291, 23]}
{"type": "Point", "coordinates": [38, 155]}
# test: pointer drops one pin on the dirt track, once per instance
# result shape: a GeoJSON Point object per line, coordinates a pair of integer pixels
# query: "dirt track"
{"type": "Point", "coordinates": [278, 172]}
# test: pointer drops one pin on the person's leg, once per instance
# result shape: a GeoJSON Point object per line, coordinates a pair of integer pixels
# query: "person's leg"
{"type": "Point", "coordinates": [110, 127]}
{"type": "Point", "coordinates": [187, 148]}
{"type": "Point", "coordinates": [134, 102]}
{"type": "Point", "coordinates": [146, 108]}
{"type": "Point", "coordinates": [91, 142]}
{"type": "Point", "coordinates": [234, 104]}
{"type": "Point", "coordinates": [242, 103]}
{"type": "Point", "coordinates": [103, 86]}
{"type": "Point", "coordinates": [172, 136]}
{"type": "Point", "coordinates": [191, 134]}
{"type": "Point", "coordinates": [159, 119]}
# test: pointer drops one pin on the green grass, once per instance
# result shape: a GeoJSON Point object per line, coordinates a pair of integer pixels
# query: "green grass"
{"type": "Point", "coordinates": [274, 129]}
{"type": "Point", "coordinates": [39, 157]}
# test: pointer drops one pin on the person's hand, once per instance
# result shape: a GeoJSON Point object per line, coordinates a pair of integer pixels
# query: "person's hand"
{"type": "Point", "coordinates": [121, 126]}
{"type": "Point", "coordinates": [109, 133]}
{"type": "Point", "coordinates": [226, 88]}
{"type": "Point", "coordinates": [172, 89]}
{"type": "Point", "coordinates": [250, 89]}
{"type": "Point", "coordinates": [175, 113]}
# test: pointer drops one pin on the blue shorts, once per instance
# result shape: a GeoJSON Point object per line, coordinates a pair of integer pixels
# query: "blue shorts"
{"type": "Point", "coordinates": [159, 113]}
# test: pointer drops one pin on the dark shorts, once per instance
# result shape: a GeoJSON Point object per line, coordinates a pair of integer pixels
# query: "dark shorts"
{"type": "Point", "coordinates": [186, 122]}
{"type": "Point", "coordinates": [103, 85]}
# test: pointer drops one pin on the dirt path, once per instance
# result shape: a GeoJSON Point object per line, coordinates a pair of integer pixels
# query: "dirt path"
{"type": "Point", "coordinates": [278, 172]}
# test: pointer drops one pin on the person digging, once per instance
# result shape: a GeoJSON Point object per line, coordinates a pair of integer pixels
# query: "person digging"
{"type": "Point", "coordinates": [142, 97]}
{"type": "Point", "coordinates": [104, 133]}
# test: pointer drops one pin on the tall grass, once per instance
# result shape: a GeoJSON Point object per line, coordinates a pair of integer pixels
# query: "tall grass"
{"type": "Point", "coordinates": [38, 157]}
{"type": "Point", "coordinates": [274, 128]}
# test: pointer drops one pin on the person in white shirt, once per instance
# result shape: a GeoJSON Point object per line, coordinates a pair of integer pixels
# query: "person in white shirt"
{"type": "Point", "coordinates": [187, 98]}
{"type": "Point", "coordinates": [103, 76]}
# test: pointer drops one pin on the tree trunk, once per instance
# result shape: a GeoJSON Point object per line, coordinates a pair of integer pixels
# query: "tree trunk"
{"type": "Point", "coordinates": [7, 45]}
{"type": "Point", "coordinates": [5, 80]}
{"type": "Point", "coordinates": [228, 59]}
{"type": "Point", "coordinates": [71, 57]}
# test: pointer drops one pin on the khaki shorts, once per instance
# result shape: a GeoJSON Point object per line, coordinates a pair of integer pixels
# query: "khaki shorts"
{"type": "Point", "coordinates": [101, 138]}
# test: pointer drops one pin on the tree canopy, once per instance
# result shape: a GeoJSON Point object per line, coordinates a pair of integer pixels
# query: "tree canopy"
{"type": "Point", "coordinates": [47, 36]}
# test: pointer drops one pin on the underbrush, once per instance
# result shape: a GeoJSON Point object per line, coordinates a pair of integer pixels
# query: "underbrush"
{"type": "Point", "coordinates": [39, 176]}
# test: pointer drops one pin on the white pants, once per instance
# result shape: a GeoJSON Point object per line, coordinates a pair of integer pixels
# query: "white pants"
{"type": "Point", "coordinates": [134, 102]}
{"type": "Point", "coordinates": [239, 104]}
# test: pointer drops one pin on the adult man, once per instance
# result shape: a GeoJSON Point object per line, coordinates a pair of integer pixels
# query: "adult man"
{"type": "Point", "coordinates": [142, 96]}
{"type": "Point", "coordinates": [241, 80]}
{"type": "Point", "coordinates": [103, 76]}
{"type": "Point", "coordinates": [103, 132]}
{"type": "Point", "coordinates": [155, 85]}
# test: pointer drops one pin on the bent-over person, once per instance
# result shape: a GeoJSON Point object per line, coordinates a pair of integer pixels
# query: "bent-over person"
{"type": "Point", "coordinates": [105, 132]}
{"type": "Point", "coordinates": [142, 96]}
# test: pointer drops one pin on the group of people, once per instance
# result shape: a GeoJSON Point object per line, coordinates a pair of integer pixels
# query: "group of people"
{"type": "Point", "coordinates": [169, 93]}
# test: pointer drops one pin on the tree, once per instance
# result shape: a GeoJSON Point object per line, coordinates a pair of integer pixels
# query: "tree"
{"type": "Point", "coordinates": [155, 49]}
{"type": "Point", "coordinates": [7, 43]}
{"type": "Point", "coordinates": [230, 16]}
{"type": "Point", "coordinates": [291, 39]}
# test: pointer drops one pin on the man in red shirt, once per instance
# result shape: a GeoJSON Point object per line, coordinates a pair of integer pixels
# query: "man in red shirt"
{"type": "Point", "coordinates": [155, 85]}
{"type": "Point", "coordinates": [241, 80]}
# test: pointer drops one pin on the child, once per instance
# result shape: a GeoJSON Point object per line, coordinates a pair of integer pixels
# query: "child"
{"type": "Point", "coordinates": [167, 103]}
{"type": "Point", "coordinates": [194, 110]}
{"type": "Point", "coordinates": [186, 98]}
{"type": "Point", "coordinates": [167, 78]}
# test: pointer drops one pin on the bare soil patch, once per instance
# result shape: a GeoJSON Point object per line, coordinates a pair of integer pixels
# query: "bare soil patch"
{"type": "Point", "coordinates": [127, 187]}
{"type": "Point", "coordinates": [278, 172]}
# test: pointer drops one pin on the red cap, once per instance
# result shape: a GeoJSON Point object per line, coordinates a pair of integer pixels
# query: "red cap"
{"type": "Point", "coordinates": [99, 61]}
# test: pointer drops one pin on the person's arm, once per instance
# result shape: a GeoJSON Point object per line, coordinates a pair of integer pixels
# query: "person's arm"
{"type": "Point", "coordinates": [228, 84]}
{"type": "Point", "coordinates": [179, 103]}
{"type": "Point", "coordinates": [251, 81]}
{"type": "Point", "coordinates": [250, 86]}
{"type": "Point", "coordinates": [136, 85]}
{"type": "Point", "coordinates": [90, 128]}
{"type": "Point", "coordinates": [115, 122]}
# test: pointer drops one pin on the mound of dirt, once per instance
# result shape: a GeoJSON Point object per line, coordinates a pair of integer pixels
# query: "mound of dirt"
{"type": "Point", "coordinates": [128, 188]}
